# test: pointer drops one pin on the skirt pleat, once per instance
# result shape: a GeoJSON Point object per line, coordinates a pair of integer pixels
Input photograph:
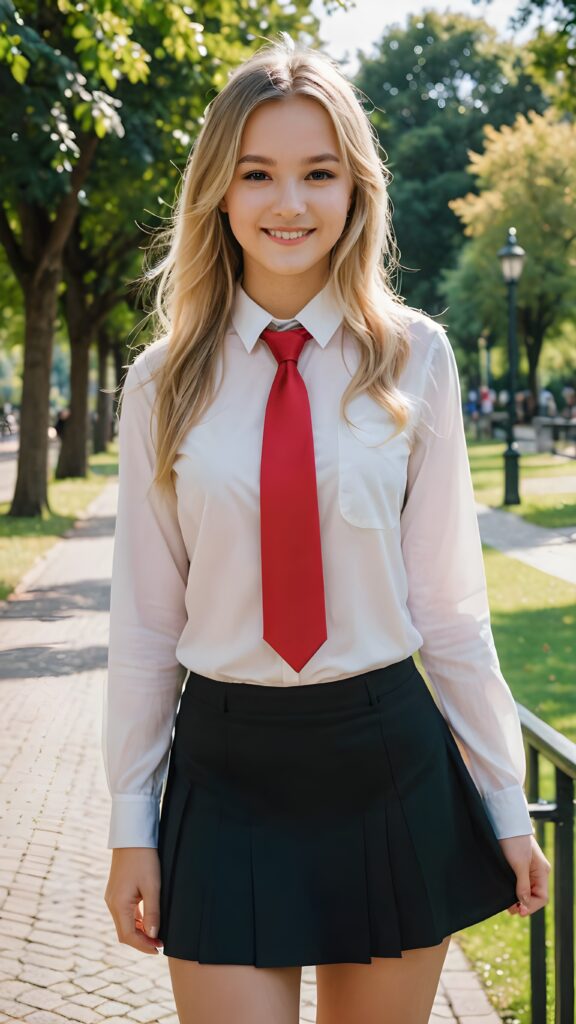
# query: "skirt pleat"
{"type": "Point", "coordinates": [327, 826]}
{"type": "Point", "coordinates": [174, 807]}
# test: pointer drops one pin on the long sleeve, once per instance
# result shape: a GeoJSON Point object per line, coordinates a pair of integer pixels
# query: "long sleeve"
{"type": "Point", "coordinates": [448, 599]}
{"type": "Point", "coordinates": [147, 615]}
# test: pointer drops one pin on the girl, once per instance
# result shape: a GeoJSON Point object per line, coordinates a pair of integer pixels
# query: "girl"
{"type": "Point", "coordinates": [296, 519]}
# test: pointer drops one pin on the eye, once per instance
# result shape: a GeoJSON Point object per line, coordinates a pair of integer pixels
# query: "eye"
{"type": "Point", "coordinates": [250, 175]}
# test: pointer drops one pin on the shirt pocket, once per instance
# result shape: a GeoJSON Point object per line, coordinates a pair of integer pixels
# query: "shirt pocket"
{"type": "Point", "coordinates": [372, 466]}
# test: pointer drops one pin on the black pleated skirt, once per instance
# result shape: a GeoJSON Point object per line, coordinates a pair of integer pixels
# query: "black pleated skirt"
{"type": "Point", "coordinates": [321, 823]}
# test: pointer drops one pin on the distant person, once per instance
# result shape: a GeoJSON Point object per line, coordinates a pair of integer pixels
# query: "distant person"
{"type": "Point", "coordinates": [471, 405]}
{"type": "Point", "coordinates": [528, 406]}
{"type": "Point", "coordinates": [569, 408]}
{"type": "Point", "coordinates": [61, 422]}
{"type": "Point", "coordinates": [544, 397]}
{"type": "Point", "coordinates": [486, 400]}
{"type": "Point", "coordinates": [7, 419]}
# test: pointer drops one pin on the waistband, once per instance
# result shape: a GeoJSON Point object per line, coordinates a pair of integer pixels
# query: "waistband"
{"type": "Point", "coordinates": [353, 691]}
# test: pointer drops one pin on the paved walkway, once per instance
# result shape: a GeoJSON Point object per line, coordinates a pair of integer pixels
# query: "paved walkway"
{"type": "Point", "coordinates": [551, 551]}
{"type": "Point", "coordinates": [60, 960]}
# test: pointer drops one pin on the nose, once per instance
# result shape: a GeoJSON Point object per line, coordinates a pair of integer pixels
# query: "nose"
{"type": "Point", "coordinates": [288, 201]}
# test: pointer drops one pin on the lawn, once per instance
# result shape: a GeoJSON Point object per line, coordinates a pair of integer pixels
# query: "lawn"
{"type": "Point", "coordinates": [24, 540]}
{"type": "Point", "coordinates": [554, 507]}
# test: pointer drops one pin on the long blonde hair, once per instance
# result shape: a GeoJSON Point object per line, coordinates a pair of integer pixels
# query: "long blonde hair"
{"type": "Point", "coordinates": [197, 276]}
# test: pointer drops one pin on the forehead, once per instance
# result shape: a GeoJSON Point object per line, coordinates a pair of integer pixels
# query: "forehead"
{"type": "Point", "coordinates": [294, 122]}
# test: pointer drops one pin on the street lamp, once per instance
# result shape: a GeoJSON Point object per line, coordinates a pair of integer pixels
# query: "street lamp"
{"type": "Point", "coordinates": [511, 258]}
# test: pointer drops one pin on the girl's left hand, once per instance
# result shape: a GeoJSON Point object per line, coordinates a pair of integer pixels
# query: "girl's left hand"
{"type": "Point", "coordinates": [531, 868]}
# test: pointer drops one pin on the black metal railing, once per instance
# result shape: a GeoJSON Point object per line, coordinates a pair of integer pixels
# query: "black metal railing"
{"type": "Point", "coordinates": [544, 742]}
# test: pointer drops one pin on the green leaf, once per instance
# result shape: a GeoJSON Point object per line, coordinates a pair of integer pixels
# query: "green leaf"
{"type": "Point", "coordinates": [19, 68]}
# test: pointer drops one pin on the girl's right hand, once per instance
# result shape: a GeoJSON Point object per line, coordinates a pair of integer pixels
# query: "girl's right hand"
{"type": "Point", "coordinates": [134, 879]}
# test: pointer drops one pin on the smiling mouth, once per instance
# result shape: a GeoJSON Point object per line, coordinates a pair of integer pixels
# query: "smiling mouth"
{"type": "Point", "coordinates": [288, 235]}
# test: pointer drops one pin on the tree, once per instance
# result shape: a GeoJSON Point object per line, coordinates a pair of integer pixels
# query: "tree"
{"type": "Point", "coordinates": [434, 85]}
{"type": "Point", "coordinates": [551, 53]}
{"type": "Point", "coordinates": [526, 176]}
{"type": "Point", "coordinates": [76, 79]}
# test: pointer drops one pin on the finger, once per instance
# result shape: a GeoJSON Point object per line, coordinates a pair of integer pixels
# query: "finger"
{"type": "Point", "coordinates": [151, 918]}
{"type": "Point", "coordinates": [128, 933]}
{"type": "Point", "coordinates": [528, 913]}
{"type": "Point", "coordinates": [540, 892]}
{"type": "Point", "coordinates": [527, 908]}
{"type": "Point", "coordinates": [538, 896]}
{"type": "Point", "coordinates": [523, 887]}
{"type": "Point", "coordinates": [158, 943]}
{"type": "Point", "coordinates": [535, 904]}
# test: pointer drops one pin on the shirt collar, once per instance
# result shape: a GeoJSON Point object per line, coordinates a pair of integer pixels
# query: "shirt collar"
{"type": "Point", "coordinates": [321, 316]}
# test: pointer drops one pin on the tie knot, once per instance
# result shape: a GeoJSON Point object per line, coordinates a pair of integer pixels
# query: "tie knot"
{"type": "Point", "coordinates": [286, 345]}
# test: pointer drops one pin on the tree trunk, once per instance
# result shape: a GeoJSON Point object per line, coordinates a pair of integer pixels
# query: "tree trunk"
{"type": "Point", "coordinates": [533, 385]}
{"type": "Point", "coordinates": [535, 323]}
{"type": "Point", "coordinates": [72, 461]}
{"type": "Point", "coordinates": [40, 303]}
{"type": "Point", "coordinates": [36, 260]}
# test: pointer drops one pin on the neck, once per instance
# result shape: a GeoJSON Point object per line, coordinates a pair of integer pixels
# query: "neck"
{"type": "Point", "coordinates": [283, 297]}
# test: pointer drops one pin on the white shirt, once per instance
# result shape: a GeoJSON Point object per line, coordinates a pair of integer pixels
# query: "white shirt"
{"type": "Point", "coordinates": [186, 584]}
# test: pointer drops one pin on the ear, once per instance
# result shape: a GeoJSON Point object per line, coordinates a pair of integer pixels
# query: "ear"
{"type": "Point", "coordinates": [222, 206]}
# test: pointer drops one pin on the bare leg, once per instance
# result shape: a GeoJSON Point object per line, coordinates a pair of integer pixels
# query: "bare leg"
{"type": "Point", "coordinates": [221, 993]}
{"type": "Point", "coordinates": [387, 991]}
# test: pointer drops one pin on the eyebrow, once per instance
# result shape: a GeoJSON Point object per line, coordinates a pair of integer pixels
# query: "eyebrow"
{"type": "Point", "coordinates": [322, 158]}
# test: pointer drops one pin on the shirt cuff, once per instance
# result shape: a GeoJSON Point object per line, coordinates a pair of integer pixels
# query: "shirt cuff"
{"type": "Point", "coordinates": [508, 812]}
{"type": "Point", "coordinates": [134, 821]}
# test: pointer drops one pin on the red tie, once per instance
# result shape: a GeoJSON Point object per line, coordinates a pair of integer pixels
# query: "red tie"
{"type": "Point", "coordinates": [294, 616]}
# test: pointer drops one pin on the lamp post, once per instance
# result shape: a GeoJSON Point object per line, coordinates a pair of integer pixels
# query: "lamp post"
{"type": "Point", "coordinates": [511, 258]}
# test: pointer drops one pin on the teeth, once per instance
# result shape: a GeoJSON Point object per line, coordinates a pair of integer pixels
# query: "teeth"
{"type": "Point", "coordinates": [287, 234]}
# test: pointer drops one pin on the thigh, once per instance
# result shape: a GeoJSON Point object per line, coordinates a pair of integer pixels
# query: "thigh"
{"type": "Point", "coordinates": [220, 993]}
{"type": "Point", "coordinates": [387, 991]}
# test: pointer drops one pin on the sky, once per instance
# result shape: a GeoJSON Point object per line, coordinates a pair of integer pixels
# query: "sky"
{"type": "Point", "coordinates": [357, 29]}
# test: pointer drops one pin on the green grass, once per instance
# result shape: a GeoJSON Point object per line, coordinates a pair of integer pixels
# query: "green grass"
{"type": "Point", "coordinates": [533, 617]}
{"type": "Point", "coordinates": [25, 539]}
{"type": "Point", "coordinates": [551, 510]}
{"type": "Point", "coordinates": [533, 620]}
